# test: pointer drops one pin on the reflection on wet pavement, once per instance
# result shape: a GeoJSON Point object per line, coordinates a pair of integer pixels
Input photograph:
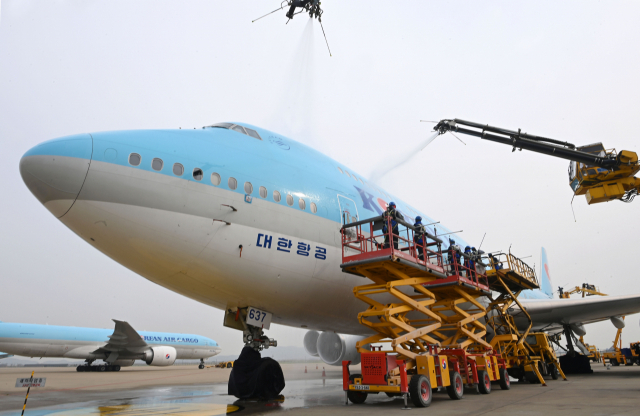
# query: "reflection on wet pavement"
{"type": "Point", "coordinates": [196, 400]}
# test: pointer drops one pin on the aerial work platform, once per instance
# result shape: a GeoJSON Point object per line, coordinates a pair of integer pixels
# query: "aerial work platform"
{"type": "Point", "coordinates": [426, 311]}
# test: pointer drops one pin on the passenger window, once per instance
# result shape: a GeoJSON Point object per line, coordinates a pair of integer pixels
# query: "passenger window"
{"type": "Point", "coordinates": [253, 133]}
{"type": "Point", "coordinates": [302, 204]}
{"type": "Point", "coordinates": [361, 181]}
{"type": "Point", "coordinates": [248, 188]}
{"type": "Point", "coordinates": [239, 129]}
{"type": "Point", "coordinates": [340, 169]}
{"type": "Point", "coordinates": [197, 174]}
{"type": "Point", "coordinates": [263, 192]}
{"type": "Point", "coordinates": [178, 169]}
{"type": "Point", "coordinates": [232, 182]}
{"type": "Point", "coordinates": [156, 164]}
{"type": "Point", "coordinates": [215, 179]}
{"type": "Point", "coordinates": [134, 159]}
{"type": "Point", "coordinates": [314, 208]}
{"type": "Point", "coordinates": [347, 173]}
{"type": "Point", "coordinates": [276, 196]}
{"type": "Point", "coordinates": [289, 200]}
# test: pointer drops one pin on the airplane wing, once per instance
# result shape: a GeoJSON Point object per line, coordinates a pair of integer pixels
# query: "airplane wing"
{"type": "Point", "coordinates": [553, 313]}
{"type": "Point", "coordinates": [3, 355]}
{"type": "Point", "coordinates": [124, 339]}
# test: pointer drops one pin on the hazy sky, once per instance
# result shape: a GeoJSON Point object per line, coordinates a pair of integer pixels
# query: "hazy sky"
{"type": "Point", "coordinates": [566, 70]}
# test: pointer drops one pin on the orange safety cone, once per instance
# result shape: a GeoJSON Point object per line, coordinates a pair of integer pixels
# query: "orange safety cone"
{"type": "Point", "coordinates": [305, 368]}
{"type": "Point", "coordinates": [323, 373]}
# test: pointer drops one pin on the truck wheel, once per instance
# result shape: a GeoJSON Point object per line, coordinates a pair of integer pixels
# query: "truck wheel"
{"type": "Point", "coordinates": [554, 372]}
{"type": "Point", "coordinates": [456, 388]}
{"type": "Point", "coordinates": [505, 383]}
{"type": "Point", "coordinates": [229, 365]}
{"type": "Point", "coordinates": [356, 397]}
{"type": "Point", "coordinates": [420, 391]}
{"type": "Point", "coordinates": [614, 362]}
{"type": "Point", "coordinates": [484, 382]}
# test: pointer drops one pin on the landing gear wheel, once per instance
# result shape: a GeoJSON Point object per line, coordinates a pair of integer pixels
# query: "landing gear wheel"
{"type": "Point", "coordinates": [102, 368]}
{"type": "Point", "coordinates": [201, 366]}
{"type": "Point", "coordinates": [553, 370]}
{"type": "Point", "coordinates": [484, 382]}
{"type": "Point", "coordinates": [356, 397]}
{"type": "Point", "coordinates": [505, 383]}
{"type": "Point", "coordinates": [80, 368]}
{"type": "Point", "coordinates": [116, 368]}
{"type": "Point", "coordinates": [614, 362]}
{"type": "Point", "coordinates": [456, 388]}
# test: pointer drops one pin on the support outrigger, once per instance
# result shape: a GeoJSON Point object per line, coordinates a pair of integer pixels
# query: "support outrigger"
{"type": "Point", "coordinates": [429, 313]}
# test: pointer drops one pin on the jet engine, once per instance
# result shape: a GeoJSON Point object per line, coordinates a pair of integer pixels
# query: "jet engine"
{"type": "Point", "coordinates": [334, 348]}
{"type": "Point", "coordinates": [160, 356]}
{"type": "Point", "coordinates": [617, 321]}
{"type": "Point", "coordinates": [310, 342]}
{"type": "Point", "coordinates": [124, 363]}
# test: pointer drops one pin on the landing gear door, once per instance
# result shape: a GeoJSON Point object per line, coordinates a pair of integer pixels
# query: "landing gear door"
{"type": "Point", "coordinates": [348, 212]}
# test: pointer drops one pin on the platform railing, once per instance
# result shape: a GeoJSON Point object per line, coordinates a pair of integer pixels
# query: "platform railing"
{"type": "Point", "coordinates": [507, 261]}
{"type": "Point", "coordinates": [365, 239]}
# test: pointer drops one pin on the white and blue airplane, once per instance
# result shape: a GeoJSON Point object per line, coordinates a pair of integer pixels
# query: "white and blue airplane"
{"type": "Point", "coordinates": [233, 215]}
{"type": "Point", "coordinates": [119, 347]}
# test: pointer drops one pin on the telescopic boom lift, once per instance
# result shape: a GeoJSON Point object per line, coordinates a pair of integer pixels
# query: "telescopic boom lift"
{"type": "Point", "coordinates": [601, 175]}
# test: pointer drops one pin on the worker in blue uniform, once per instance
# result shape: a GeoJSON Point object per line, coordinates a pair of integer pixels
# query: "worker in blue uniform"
{"type": "Point", "coordinates": [419, 237]}
{"type": "Point", "coordinates": [469, 264]}
{"type": "Point", "coordinates": [390, 217]}
{"type": "Point", "coordinates": [497, 264]}
{"type": "Point", "coordinates": [453, 257]}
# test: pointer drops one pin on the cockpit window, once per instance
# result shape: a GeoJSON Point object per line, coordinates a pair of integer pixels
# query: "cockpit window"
{"type": "Point", "coordinates": [253, 133]}
{"type": "Point", "coordinates": [240, 129]}
{"type": "Point", "coordinates": [222, 125]}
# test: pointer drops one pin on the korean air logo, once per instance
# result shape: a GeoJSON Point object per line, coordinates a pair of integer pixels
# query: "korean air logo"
{"type": "Point", "coordinates": [488, 364]}
{"type": "Point", "coordinates": [167, 356]}
{"type": "Point", "coordinates": [444, 364]}
{"type": "Point", "coordinates": [279, 142]}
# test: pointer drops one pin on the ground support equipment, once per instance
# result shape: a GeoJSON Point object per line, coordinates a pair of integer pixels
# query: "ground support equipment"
{"type": "Point", "coordinates": [425, 311]}
{"type": "Point", "coordinates": [526, 355]}
{"type": "Point", "coordinates": [617, 356]}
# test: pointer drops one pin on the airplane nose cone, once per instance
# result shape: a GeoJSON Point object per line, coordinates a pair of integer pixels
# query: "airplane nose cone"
{"type": "Point", "coordinates": [54, 171]}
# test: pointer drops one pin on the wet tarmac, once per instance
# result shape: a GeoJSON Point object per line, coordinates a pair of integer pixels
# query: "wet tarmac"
{"type": "Point", "coordinates": [185, 391]}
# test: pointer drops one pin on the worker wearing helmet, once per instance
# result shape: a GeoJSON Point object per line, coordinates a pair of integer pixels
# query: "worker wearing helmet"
{"type": "Point", "coordinates": [390, 217]}
{"type": "Point", "coordinates": [497, 264]}
{"type": "Point", "coordinates": [453, 257]}
{"type": "Point", "coordinates": [419, 237]}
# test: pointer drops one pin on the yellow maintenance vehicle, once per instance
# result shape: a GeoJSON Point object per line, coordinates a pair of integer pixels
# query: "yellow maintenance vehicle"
{"type": "Point", "coordinates": [526, 355]}
{"type": "Point", "coordinates": [224, 364]}
{"type": "Point", "coordinates": [616, 355]}
{"type": "Point", "coordinates": [600, 174]}
{"type": "Point", "coordinates": [634, 348]}
{"type": "Point", "coordinates": [426, 313]}
{"type": "Point", "coordinates": [585, 290]}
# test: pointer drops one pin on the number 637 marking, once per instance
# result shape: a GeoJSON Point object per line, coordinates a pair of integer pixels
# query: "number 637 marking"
{"type": "Point", "coordinates": [257, 315]}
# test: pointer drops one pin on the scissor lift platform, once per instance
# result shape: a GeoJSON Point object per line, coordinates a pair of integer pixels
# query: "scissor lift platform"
{"type": "Point", "coordinates": [415, 307]}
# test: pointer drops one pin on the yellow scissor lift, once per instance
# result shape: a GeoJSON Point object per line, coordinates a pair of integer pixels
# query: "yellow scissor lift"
{"type": "Point", "coordinates": [415, 308]}
{"type": "Point", "coordinates": [524, 353]}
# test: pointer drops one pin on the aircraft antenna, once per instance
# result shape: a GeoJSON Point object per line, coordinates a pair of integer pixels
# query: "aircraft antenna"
{"type": "Point", "coordinates": [325, 37]}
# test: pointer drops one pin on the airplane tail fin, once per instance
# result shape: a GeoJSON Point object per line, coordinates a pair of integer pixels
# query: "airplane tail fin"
{"type": "Point", "coordinates": [545, 278]}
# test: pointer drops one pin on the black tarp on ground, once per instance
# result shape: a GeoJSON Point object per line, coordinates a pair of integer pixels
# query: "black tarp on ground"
{"type": "Point", "coordinates": [255, 377]}
{"type": "Point", "coordinates": [579, 364]}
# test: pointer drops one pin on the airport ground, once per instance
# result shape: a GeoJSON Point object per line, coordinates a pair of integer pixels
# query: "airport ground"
{"type": "Point", "coordinates": [188, 391]}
